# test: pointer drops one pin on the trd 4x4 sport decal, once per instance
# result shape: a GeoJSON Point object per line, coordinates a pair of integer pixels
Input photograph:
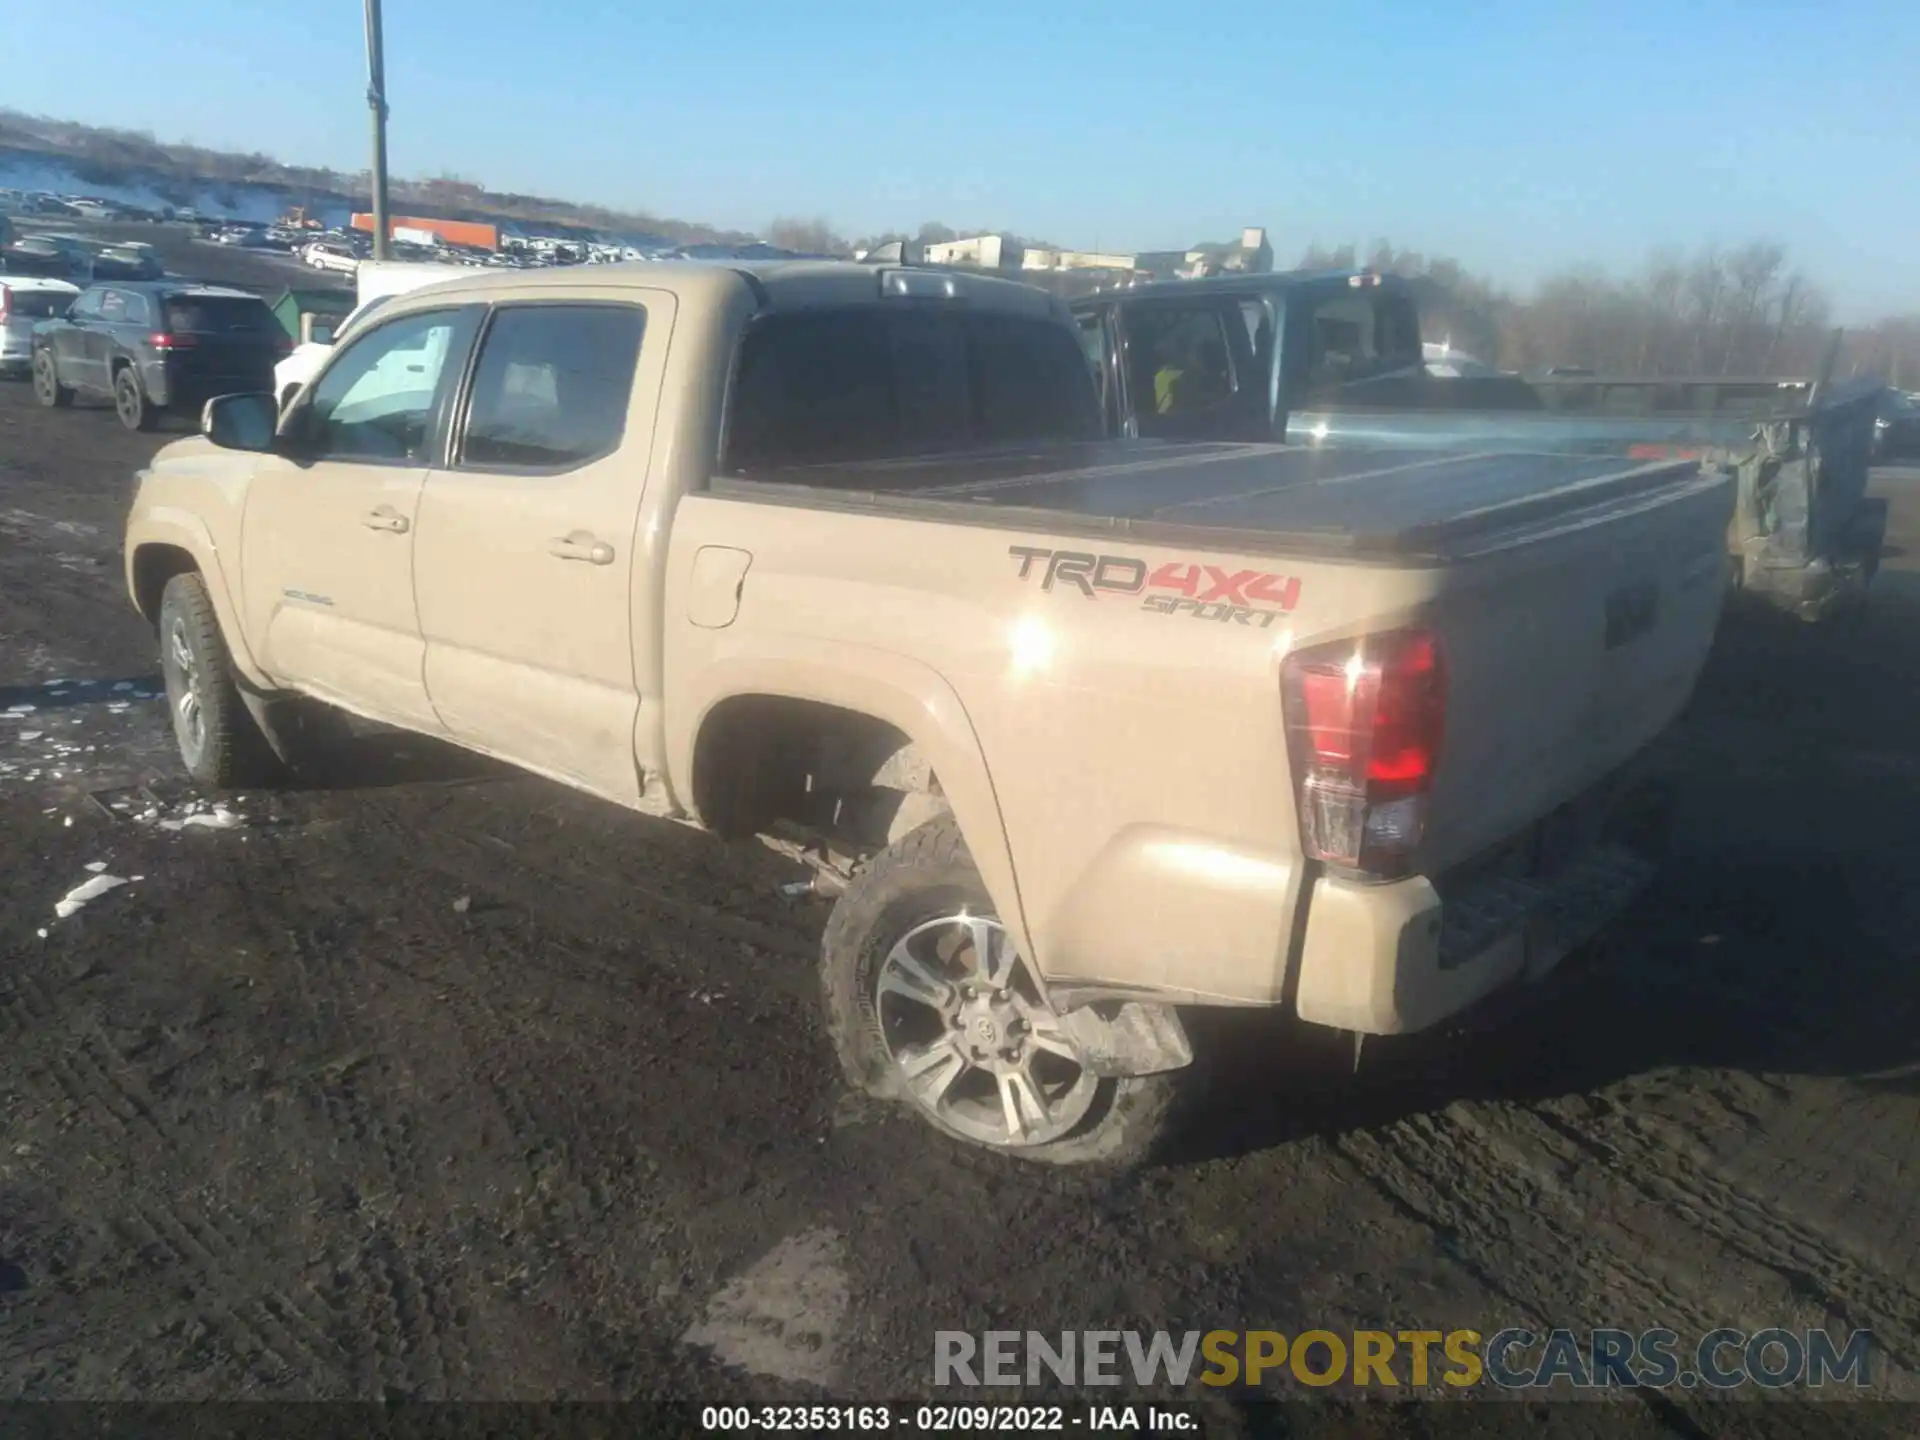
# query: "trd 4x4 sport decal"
{"type": "Point", "coordinates": [1205, 592]}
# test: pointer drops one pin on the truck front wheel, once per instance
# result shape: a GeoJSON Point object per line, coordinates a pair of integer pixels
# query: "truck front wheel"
{"type": "Point", "coordinates": [219, 742]}
{"type": "Point", "coordinates": [928, 1002]}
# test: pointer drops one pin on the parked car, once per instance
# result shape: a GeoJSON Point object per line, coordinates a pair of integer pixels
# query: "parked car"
{"type": "Point", "coordinates": [154, 346]}
{"type": "Point", "coordinates": [1109, 728]}
{"type": "Point", "coordinates": [1896, 428]}
{"type": "Point", "coordinates": [331, 255]}
{"type": "Point", "coordinates": [133, 261]}
{"type": "Point", "coordinates": [59, 257]}
{"type": "Point", "coordinates": [26, 300]}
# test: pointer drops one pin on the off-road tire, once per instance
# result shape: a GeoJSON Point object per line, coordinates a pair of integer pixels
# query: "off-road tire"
{"type": "Point", "coordinates": [47, 388]}
{"type": "Point", "coordinates": [233, 754]}
{"type": "Point", "coordinates": [130, 401]}
{"type": "Point", "coordinates": [928, 873]}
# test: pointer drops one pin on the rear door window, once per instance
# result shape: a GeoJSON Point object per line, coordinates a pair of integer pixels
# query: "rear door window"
{"type": "Point", "coordinates": [1031, 381]}
{"type": "Point", "coordinates": [811, 389]}
{"type": "Point", "coordinates": [874, 382]}
{"type": "Point", "coordinates": [551, 387]}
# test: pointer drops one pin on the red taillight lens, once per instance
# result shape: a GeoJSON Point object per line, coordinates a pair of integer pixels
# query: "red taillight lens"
{"type": "Point", "coordinates": [1365, 720]}
{"type": "Point", "coordinates": [172, 342]}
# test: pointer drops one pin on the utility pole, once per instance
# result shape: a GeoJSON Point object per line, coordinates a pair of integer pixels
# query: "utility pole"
{"type": "Point", "coordinates": [377, 102]}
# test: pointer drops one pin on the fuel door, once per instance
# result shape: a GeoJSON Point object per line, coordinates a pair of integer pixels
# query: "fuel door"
{"type": "Point", "coordinates": [719, 579]}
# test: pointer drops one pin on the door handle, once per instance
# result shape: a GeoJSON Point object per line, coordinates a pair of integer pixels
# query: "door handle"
{"type": "Point", "coordinates": [581, 546]}
{"type": "Point", "coordinates": [386, 518]}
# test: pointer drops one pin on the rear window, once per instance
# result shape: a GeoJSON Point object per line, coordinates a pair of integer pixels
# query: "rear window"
{"type": "Point", "coordinates": [875, 383]}
{"type": "Point", "coordinates": [218, 315]}
{"type": "Point", "coordinates": [37, 304]}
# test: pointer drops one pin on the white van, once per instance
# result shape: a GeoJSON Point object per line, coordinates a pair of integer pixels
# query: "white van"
{"type": "Point", "coordinates": [375, 281]}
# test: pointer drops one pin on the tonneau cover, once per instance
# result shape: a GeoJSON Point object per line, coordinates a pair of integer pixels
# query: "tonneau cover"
{"type": "Point", "coordinates": [1388, 503]}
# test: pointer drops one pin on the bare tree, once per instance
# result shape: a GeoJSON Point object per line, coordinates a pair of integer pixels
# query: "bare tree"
{"type": "Point", "coordinates": [809, 237]}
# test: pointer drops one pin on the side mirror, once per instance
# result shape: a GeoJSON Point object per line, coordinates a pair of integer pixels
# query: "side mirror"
{"type": "Point", "coordinates": [316, 330]}
{"type": "Point", "coordinates": [241, 422]}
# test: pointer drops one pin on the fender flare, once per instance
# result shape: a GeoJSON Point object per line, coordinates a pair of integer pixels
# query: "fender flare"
{"type": "Point", "coordinates": [184, 530]}
{"type": "Point", "coordinates": [912, 697]}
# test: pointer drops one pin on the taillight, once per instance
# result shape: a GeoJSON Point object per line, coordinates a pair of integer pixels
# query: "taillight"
{"type": "Point", "coordinates": [164, 341]}
{"type": "Point", "coordinates": [1364, 724]}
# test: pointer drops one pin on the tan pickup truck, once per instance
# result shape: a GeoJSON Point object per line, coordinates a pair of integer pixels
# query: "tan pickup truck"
{"type": "Point", "coordinates": [1109, 728]}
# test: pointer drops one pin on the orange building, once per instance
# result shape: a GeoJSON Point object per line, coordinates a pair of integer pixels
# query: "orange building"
{"type": "Point", "coordinates": [454, 232]}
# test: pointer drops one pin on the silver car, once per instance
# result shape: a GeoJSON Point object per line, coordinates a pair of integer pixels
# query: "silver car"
{"type": "Point", "coordinates": [26, 300]}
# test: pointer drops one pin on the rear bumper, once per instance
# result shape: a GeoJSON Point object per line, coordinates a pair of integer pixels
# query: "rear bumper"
{"type": "Point", "coordinates": [1390, 959]}
{"type": "Point", "coordinates": [186, 391]}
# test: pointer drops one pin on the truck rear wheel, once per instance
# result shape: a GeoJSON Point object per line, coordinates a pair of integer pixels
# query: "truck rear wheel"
{"type": "Point", "coordinates": [219, 742]}
{"type": "Point", "coordinates": [929, 1003]}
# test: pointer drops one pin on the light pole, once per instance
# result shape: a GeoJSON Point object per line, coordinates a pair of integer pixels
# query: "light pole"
{"type": "Point", "coordinates": [377, 102]}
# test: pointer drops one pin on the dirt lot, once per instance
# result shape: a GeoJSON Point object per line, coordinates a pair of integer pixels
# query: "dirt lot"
{"type": "Point", "coordinates": [443, 1082]}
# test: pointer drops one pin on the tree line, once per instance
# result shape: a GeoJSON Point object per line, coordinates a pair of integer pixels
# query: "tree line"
{"type": "Point", "coordinates": [1729, 311]}
{"type": "Point", "coordinates": [1743, 309]}
{"type": "Point", "coordinates": [1722, 310]}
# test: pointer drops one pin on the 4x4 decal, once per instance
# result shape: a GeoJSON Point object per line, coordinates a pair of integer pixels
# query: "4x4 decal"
{"type": "Point", "coordinates": [1205, 592]}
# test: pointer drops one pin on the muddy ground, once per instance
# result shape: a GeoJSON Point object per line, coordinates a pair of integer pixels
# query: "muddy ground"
{"type": "Point", "coordinates": [441, 1082]}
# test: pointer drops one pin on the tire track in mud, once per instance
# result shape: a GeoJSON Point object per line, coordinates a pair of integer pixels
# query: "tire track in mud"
{"type": "Point", "coordinates": [530, 986]}
{"type": "Point", "coordinates": [1509, 1223]}
{"type": "Point", "coordinates": [215, 1245]}
{"type": "Point", "coordinates": [90, 1073]}
{"type": "Point", "coordinates": [86, 1072]}
{"type": "Point", "coordinates": [1542, 1208]}
{"type": "Point", "coordinates": [559, 1186]}
{"type": "Point", "coordinates": [488, 960]}
{"type": "Point", "coordinates": [412, 1339]}
{"type": "Point", "coordinates": [1656, 1158]}
{"type": "Point", "coordinates": [25, 1006]}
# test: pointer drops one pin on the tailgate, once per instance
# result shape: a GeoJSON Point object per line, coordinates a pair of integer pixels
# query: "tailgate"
{"type": "Point", "coordinates": [1567, 654]}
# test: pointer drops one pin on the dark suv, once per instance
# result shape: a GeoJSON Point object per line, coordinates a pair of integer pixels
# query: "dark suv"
{"type": "Point", "coordinates": [157, 346]}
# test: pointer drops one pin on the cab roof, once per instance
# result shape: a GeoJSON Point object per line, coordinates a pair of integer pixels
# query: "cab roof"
{"type": "Point", "coordinates": [774, 284]}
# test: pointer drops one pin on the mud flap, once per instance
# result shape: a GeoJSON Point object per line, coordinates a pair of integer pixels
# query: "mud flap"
{"type": "Point", "coordinates": [1140, 1039]}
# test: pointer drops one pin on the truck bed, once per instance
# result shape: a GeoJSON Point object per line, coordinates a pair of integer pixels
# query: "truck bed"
{"type": "Point", "coordinates": [1405, 507]}
{"type": "Point", "coordinates": [1802, 533]}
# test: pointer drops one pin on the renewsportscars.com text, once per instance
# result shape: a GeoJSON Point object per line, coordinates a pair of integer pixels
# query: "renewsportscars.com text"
{"type": "Point", "coordinates": [1511, 1359]}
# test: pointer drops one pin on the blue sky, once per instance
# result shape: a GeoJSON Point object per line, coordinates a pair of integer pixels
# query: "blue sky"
{"type": "Point", "coordinates": [1515, 137]}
